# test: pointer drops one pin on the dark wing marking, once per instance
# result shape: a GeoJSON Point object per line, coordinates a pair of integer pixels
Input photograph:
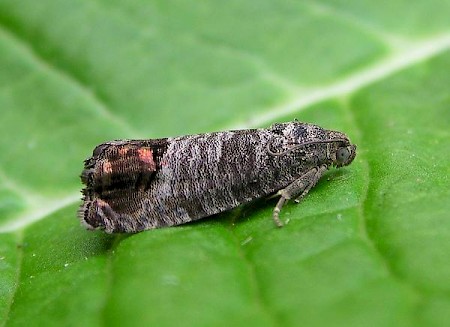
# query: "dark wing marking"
{"type": "Point", "coordinates": [117, 178]}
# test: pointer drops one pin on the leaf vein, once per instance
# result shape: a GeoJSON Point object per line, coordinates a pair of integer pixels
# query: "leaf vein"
{"type": "Point", "coordinates": [41, 63]}
{"type": "Point", "coordinates": [395, 62]}
{"type": "Point", "coordinates": [19, 240]}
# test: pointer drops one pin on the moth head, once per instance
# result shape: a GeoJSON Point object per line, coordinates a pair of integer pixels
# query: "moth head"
{"type": "Point", "coordinates": [340, 151]}
{"type": "Point", "coordinates": [320, 145]}
{"type": "Point", "coordinates": [344, 155]}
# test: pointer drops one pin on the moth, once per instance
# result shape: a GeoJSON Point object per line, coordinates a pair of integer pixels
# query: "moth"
{"type": "Point", "coordinates": [136, 185]}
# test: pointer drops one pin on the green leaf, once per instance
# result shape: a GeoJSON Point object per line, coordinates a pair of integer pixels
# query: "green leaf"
{"type": "Point", "coordinates": [368, 246]}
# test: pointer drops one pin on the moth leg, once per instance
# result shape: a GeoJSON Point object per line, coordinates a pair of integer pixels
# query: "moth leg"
{"type": "Point", "coordinates": [320, 171]}
{"type": "Point", "coordinates": [297, 190]}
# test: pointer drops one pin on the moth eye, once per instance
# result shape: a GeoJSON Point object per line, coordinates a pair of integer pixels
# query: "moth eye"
{"type": "Point", "coordinates": [342, 155]}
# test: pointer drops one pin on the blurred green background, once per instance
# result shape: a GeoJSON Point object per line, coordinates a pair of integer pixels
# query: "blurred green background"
{"type": "Point", "coordinates": [370, 244]}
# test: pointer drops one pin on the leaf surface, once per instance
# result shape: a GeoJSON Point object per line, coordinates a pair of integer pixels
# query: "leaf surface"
{"type": "Point", "coordinates": [368, 246]}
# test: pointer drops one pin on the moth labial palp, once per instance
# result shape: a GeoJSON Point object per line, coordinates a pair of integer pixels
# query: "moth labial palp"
{"type": "Point", "coordinates": [135, 185]}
